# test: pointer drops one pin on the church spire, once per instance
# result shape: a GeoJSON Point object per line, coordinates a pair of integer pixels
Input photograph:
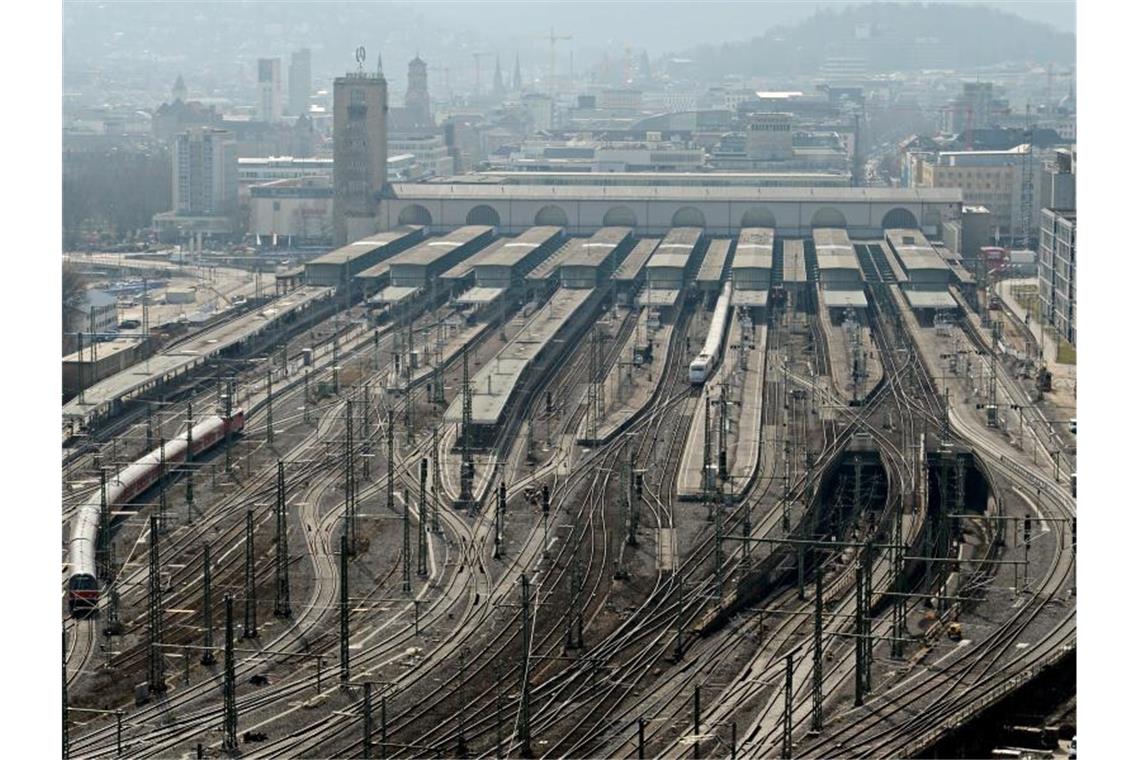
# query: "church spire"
{"type": "Point", "coordinates": [499, 87]}
{"type": "Point", "coordinates": [516, 85]}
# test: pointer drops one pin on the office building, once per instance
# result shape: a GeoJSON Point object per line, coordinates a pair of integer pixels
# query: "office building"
{"type": "Point", "coordinates": [990, 178]}
{"type": "Point", "coordinates": [360, 152]}
{"type": "Point", "coordinates": [1057, 271]}
{"type": "Point", "coordinates": [300, 81]}
{"type": "Point", "coordinates": [205, 184]}
{"type": "Point", "coordinates": [269, 89]}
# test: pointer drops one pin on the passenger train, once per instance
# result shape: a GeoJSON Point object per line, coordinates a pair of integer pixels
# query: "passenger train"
{"type": "Point", "coordinates": [705, 363]}
{"type": "Point", "coordinates": [129, 483]}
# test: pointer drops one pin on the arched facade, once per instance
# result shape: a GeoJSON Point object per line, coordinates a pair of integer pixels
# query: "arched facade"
{"type": "Point", "coordinates": [899, 218]}
{"type": "Point", "coordinates": [619, 216]}
{"type": "Point", "coordinates": [483, 214]}
{"type": "Point", "coordinates": [758, 216]}
{"type": "Point", "coordinates": [415, 214]}
{"type": "Point", "coordinates": [552, 216]}
{"type": "Point", "coordinates": [687, 216]}
{"type": "Point", "coordinates": [828, 217]}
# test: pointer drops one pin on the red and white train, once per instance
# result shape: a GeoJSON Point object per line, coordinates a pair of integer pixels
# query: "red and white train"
{"type": "Point", "coordinates": [126, 485]}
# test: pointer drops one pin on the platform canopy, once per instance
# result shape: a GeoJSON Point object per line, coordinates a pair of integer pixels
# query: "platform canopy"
{"type": "Point", "coordinates": [658, 297]}
{"type": "Point", "coordinates": [839, 299]}
{"type": "Point", "coordinates": [931, 299]}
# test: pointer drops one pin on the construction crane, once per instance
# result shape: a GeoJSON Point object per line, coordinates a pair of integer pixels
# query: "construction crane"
{"type": "Point", "coordinates": [554, 39]}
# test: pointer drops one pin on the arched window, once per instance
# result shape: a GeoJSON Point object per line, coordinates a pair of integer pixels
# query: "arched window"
{"type": "Point", "coordinates": [899, 218]}
{"type": "Point", "coordinates": [483, 214]}
{"type": "Point", "coordinates": [552, 216]}
{"type": "Point", "coordinates": [688, 217]}
{"type": "Point", "coordinates": [415, 214]}
{"type": "Point", "coordinates": [828, 217]}
{"type": "Point", "coordinates": [758, 217]}
{"type": "Point", "coordinates": [619, 216]}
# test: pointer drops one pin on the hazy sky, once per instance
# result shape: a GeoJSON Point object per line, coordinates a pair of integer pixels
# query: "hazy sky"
{"type": "Point", "coordinates": [663, 25]}
{"type": "Point", "coordinates": [215, 44]}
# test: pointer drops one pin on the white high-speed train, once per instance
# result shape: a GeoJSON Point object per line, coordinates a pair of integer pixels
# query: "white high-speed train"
{"type": "Point", "coordinates": [706, 360]}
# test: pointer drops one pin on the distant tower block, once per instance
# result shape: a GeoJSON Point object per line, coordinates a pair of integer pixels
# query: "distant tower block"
{"type": "Point", "coordinates": [417, 99]}
{"type": "Point", "coordinates": [269, 89]}
{"type": "Point", "coordinates": [360, 150]}
{"type": "Point", "coordinates": [178, 92]}
{"type": "Point", "coordinates": [300, 81]}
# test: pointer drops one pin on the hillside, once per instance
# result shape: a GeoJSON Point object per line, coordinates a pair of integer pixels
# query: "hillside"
{"type": "Point", "coordinates": [890, 37]}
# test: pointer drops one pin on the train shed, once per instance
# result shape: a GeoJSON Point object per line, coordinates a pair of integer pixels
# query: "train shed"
{"type": "Point", "coordinates": [752, 268]}
{"type": "Point", "coordinates": [415, 269]}
{"type": "Point", "coordinates": [711, 273]}
{"type": "Point", "coordinates": [338, 266]}
{"type": "Point", "coordinates": [631, 274]}
{"type": "Point", "coordinates": [840, 279]}
{"type": "Point", "coordinates": [671, 266]}
{"type": "Point", "coordinates": [927, 286]}
{"type": "Point", "coordinates": [508, 261]}
{"type": "Point", "coordinates": [591, 262]}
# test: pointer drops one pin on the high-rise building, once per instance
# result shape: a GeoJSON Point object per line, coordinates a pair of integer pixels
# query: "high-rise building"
{"type": "Point", "coordinates": [269, 89]}
{"type": "Point", "coordinates": [416, 99]}
{"type": "Point", "coordinates": [1057, 271]}
{"type": "Point", "coordinates": [178, 92]}
{"type": "Point", "coordinates": [300, 81]}
{"type": "Point", "coordinates": [205, 172]}
{"type": "Point", "coordinates": [360, 152]}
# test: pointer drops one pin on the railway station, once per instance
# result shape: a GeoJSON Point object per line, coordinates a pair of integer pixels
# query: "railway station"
{"type": "Point", "coordinates": [573, 405]}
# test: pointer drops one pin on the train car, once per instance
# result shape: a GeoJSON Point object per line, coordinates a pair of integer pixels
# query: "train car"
{"type": "Point", "coordinates": [129, 483]}
{"type": "Point", "coordinates": [705, 363]}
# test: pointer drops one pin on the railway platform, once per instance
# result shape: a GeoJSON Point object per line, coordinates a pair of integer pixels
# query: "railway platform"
{"type": "Point", "coordinates": [841, 354]}
{"type": "Point", "coordinates": [741, 375]}
{"type": "Point", "coordinates": [629, 385]}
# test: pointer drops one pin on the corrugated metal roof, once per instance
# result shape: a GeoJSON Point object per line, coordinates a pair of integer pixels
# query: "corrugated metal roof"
{"type": "Point", "coordinates": [636, 259]}
{"type": "Point", "coordinates": [915, 251]}
{"type": "Point", "coordinates": [432, 250]}
{"type": "Point", "coordinates": [366, 245]}
{"type": "Point", "coordinates": [712, 268]}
